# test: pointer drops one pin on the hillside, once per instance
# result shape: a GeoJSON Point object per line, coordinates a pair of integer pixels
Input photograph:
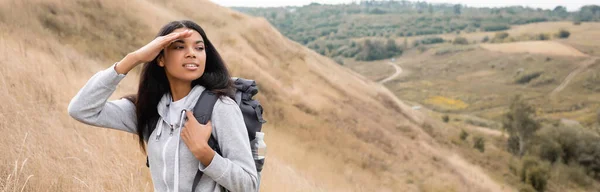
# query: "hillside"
{"type": "Point", "coordinates": [323, 134]}
{"type": "Point", "coordinates": [334, 30]}
{"type": "Point", "coordinates": [473, 87]}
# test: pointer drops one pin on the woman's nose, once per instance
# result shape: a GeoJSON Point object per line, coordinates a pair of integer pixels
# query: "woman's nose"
{"type": "Point", "coordinates": [190, 53]}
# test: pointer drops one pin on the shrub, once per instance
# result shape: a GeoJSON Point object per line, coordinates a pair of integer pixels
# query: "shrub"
{"type": "Point", "coordinates": [431, 40]}
{"type": "Point", "coordinates": [446, 118]}
{"type": "Point", "coordinates": [526, 78]}
{"type": "Point", "coordinates": [479, 143]}
{"type": "Point", "coordinates": [501, 35]}
{"type": "Point", "coordinates": [592, 82]}
{"type": "Point", "coordinates": [464, 135]}
{"type": "Point", "coordinates": [460, 41]}
{"type": "Point", "coordinates": [486, 39]}
{"type": "Point", "coordinates": [534, 172]}
{"type": "Point", "coordinates": [543, 37]}
{"type": "Point", "coordinates": [495, 27]}
{"type": "Point", "coordinates": [563, 34]}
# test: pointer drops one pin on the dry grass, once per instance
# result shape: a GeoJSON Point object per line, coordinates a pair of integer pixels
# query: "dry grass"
{"type": "Point", "coordinates": [483, 82]}
{"type": "Point", "coordinates": [323, 134]}
{"type": "Point", "coordinates": [535, 47]}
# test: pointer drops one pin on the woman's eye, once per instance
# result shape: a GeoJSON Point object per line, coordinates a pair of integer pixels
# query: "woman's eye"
{"type": "Point", "coordinates": [200, 48]}
{"type": "Point", "coordinates": [178, 47]}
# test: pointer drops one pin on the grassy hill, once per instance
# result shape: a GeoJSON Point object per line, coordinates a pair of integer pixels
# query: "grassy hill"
{"type": "Point", "coordinates": [323, 134]}
{"type": "Point", "coordinates": [333, 30]}
{"type": "Point", "coordinates": [472, 86]}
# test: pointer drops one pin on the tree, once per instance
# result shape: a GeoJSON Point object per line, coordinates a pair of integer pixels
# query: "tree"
{"type": "Point", "coordinates": [430, 9]}
{"type": "Point", "coordinates": [560, 11]}
{"type": "Point", "coordinates": [457, 9]}
{"type": "Point", "coordinates": [390, 46]}
{"type": "Point", "coordinates": [520, 124]}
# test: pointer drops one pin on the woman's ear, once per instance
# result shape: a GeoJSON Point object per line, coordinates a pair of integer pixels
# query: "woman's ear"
{"type": "Point", "coordinates": [161, 61]}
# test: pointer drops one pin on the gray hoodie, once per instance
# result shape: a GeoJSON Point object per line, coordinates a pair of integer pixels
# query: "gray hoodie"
{"type": "Point", "coordinates": [172, 165]}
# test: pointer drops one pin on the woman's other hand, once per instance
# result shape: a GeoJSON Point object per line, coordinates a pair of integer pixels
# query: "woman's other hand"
{"type": "Point", "coordinates": [195, 136]}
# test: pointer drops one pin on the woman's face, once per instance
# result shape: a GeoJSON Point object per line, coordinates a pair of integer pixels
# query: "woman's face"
{"type": "Point", "coordinates": [184, 59]}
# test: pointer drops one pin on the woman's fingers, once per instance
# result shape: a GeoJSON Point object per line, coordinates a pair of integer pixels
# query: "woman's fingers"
{"type": "Point", "coordinates": [168, 39]}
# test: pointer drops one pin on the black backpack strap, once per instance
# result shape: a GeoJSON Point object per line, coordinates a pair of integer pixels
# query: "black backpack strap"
{"type": "Point", "coordinates": [203, 113]}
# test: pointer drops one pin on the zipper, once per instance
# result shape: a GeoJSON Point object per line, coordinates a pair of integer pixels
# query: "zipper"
{"type": "Point", "coordinates": [165, 163]}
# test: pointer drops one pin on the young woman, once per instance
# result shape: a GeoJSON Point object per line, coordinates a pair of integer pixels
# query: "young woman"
{"type": "Point", "coordinates": [179, 65]}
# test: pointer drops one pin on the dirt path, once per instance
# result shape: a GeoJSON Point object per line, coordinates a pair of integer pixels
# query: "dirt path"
{"type": "Point", "coordinates": [582, 66]}
{"type": "Point", "coordinates": [473, 175]}
{"type": "Point", "coordinates": [398, 72]}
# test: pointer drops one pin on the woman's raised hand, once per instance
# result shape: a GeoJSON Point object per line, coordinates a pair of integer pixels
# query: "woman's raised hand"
{"type": "Point", "coordinates": [149, 51]}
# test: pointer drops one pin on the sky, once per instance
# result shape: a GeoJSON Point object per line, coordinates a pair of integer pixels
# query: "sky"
{"type": "Point", "coordinates": [572, 5]}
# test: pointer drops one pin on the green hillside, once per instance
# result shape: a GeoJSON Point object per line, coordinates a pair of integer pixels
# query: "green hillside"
{"type": "Point", "coordinates": [336, 30]}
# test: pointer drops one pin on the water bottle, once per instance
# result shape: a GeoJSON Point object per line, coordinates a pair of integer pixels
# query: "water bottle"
{"type": "Point", "coordinates": [259, 150]}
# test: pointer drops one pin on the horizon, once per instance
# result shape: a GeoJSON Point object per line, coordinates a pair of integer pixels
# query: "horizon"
{"type": "Point", "coordinates": [573, 5]}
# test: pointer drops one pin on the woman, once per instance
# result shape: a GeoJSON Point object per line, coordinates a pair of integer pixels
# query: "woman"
{"type": "Point", "coordinates": [180, 64]}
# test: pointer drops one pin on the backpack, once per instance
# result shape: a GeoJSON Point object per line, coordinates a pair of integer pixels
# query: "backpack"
{"type": "Point", "coordinates": [251, 110]}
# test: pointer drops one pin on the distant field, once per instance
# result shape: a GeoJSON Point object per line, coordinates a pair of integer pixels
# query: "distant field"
{"type": "Point", "coordinates": [481, 82]}
{"type": "Point", "coordinates": [583, 37]}
{"type": "Point", "coordinates": [535, 47]}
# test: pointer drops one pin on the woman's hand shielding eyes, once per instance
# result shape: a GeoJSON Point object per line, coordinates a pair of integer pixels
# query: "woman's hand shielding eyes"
{"type": "Point", "coordinates": [148, 52]}
{"type": "Point", "coordinates": [152, 49]}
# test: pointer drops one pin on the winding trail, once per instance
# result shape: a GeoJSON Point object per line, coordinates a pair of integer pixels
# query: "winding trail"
{"type": "Point", "coordinates": [393, 76]}
{"type": "Point", "coordinates": [582, 66]}
{"type": "Point", "coordinates": [470, 173]}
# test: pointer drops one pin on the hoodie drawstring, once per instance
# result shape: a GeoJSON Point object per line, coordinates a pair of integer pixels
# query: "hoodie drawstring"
{"type": "Point", "coordinates": [176, 172]}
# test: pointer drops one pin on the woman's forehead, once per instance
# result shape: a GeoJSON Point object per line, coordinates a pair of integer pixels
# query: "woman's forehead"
{"type": "Point", "coordinates": [193, 38]}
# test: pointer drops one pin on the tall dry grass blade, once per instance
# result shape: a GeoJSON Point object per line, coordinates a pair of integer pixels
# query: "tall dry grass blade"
{"type": "Point", "coordinates": [26, 182]}
{"type": "Point", "coordinates": [23, 143]}
{"type": "Point", "coordinates": [81, 182]}
{"type": "Point", "coordinates": [23, 164]}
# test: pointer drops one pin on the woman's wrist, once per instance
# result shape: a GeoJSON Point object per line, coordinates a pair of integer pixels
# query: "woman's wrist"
{"type": "Point", "coordinates": [127, 63]}
{"type": "Point", "coordinates": [206, 155]}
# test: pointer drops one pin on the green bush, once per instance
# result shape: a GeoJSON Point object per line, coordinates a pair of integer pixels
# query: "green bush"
{"type": "Point", "coordinates": [479, 143]}
{"type": "Point", "coordinates": [486, 39]}
{"type": "Point", "coordinates": [526, 78]}
{"type": "Point", "coordinates": [542, 37]}
{"type": "Point", "coordinates": [460, 41]}
{"type": "Point", "coordinates": [431, 40]}
{"type": "Point", "coordinates": [592, 82]}
{"type": "Point", "coordinates": [535, 172]}
{"type": "Point", "coordinates": [374, 50]}
{"type": "Point", "coordinates": [446, 118]}
{"type": "Point", "coordinates": [563, 34]}
{"type": "Point", "coordinates": [464, 135]}
{"type": "Point", "coordinates": [495, 27]}
{"type": "Point", "coordinates": [499, 37]}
